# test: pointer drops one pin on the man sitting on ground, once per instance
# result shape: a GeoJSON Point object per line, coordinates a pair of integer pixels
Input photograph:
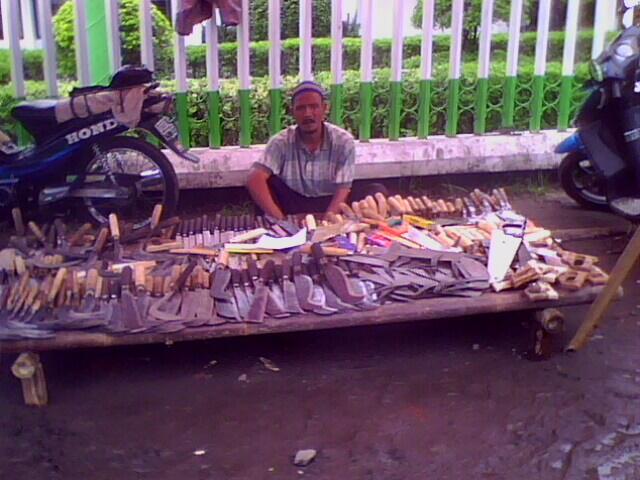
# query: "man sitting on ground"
{"type": "Point", "coordinates": [308, 167]}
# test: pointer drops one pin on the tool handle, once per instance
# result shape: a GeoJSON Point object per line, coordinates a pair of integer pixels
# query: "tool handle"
{"type": "Point", "coordinates": [245, 277]}
{"type": "Point", "coordinates": [182, 278]}
{"type": "Point", "coordinates": [35, 229]}
{"type": "Point", "coordinates": [267, 271]}
{"type": "Point", "coordinates": [286, 267]}
{"type": "Point", "coordinates": [156, 215]}
{"type": "Point", "coordinates": [91, 282]}
{"type": "Point", "coordinates": [395, 206]}
{"type": "Point", "coordinates": [236, 276]}
{"type": "Point", "coordinates": [310, 221]}
{"type": "Point", "coordinates": [139, 276]}
{"type": "Point", "coordinates": [61, 229]}
{"type": "Point", "coordinates": [279, 272]}
{"type": "Point", "coordinates": [126, 276]}
{"type": "Point", "coordinates": [296, 260]}
{"type": "Point", "coordinates": [252, 267]}
{"type": "Point", "coordinates": [383, 208]}
{"type": "Point", "coordinates": [18, 222]}
{"type": "Point", "coordinates": [57, 283]}
{"type": "Point", "coordinates": [346, 210]}
{"type": "Point", "coordinates": [77, 237]}
{"type": "Point", "coordinates": [114, 226]}
{"type": "Point", "coordinates": [317, 252]}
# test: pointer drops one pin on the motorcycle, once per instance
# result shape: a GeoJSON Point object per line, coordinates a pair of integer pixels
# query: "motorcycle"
{"type": "Point", "coordinates": [601, 168]}
{"type": "Point", "coordinates": [91, 150]}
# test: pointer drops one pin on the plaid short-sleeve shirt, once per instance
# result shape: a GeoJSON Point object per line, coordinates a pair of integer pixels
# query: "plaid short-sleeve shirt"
{"type": "Point", "coordinates": [311, 174]}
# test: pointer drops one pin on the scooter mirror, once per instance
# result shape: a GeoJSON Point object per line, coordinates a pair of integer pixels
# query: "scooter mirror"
{"type": "Point", "coordinates": [627, 17]}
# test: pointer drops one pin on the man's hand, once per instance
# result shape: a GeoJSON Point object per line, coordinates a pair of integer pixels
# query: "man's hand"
{"type": "Point", "coordinates": [259, 191]}
{"type": "Point", "coordinates": [339, 197]}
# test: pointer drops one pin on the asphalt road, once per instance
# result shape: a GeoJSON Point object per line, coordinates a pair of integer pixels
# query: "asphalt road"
{"type": "Point", "coordinates": [439, 400]}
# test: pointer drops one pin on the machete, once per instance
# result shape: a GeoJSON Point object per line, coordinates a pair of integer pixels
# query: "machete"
{"type": "Point", "coordinates": [283, 273]}
{"type": "Point", "coordinates": [275, 300]}
{"type": "Point", "coordinates": [260, 297]}
{"type": "Point", "coordinates": [242, 300]}
{"type": "Point", "coordinates": [131, 317]}
{"type": "Point", "coordinates": [336, 277]}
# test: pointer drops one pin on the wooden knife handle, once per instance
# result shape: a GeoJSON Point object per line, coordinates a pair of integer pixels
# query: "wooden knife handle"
{"type": "Point", "coordinates": [78, 236]}
{"type": "Point", "coordinates": [371, 203]}
{"type": "Point", "coordinates": [139, 276]}
{"type": "Point", "coordinates": [57, 283]}
{"type": "Point", "coordinates": [18, 222]}
{"type": "Point", "coordinates": [114, 226]}
{"type": "Point", "coordinates": [155, 216]}
{"type": "Point", "coordinates": [252, 267]}
{"type": "Point", "coordinates": [383, 208]}
{"type": "Point", "coordinates": [286, 267]}
{"type": "Point", "coordinates": [268, 269]}
{"type": "Point", "coordinates": [126, 276]}
{"type": "Point", "coordinates": [355, 207]}
{"type": "Point", "coordinates": [396, 207]}
{"type": "Point", "coordinates": [346, 210]}
{"type": "Point", "coordinates": [35, 229]}
{"type": "Point", "coordinates": [182, 278]}
{"type": "Point", "coordinates": [317, 252]}
{"type": "Point", "coordinates": [310, 221]}
{"type": "Point", "coordinates": [91, 283]}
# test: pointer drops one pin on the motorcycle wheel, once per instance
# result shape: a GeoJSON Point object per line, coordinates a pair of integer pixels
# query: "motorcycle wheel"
{"type": "Point", "coordinates": [137, 165]}
{"type": "Point", "coordinates": [580, 181]}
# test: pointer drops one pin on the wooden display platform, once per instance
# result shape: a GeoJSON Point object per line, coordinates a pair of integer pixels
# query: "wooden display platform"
{"type": "Point", "coordinates": [428, 309]}
{"type": "Point", "coordinates": [30, 371]}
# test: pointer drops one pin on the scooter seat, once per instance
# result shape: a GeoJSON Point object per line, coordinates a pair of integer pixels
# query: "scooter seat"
{"type": "Point", "coordinates": [38, 117]}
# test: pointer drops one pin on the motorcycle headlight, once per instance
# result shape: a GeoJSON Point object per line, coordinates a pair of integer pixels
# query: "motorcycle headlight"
{"type": "Point", "coordinates": [595, 69]}
{"type": "Point", "coordinates": [624, 50]}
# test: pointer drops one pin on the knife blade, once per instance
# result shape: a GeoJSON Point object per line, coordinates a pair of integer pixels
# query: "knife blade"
{"type": "Point", "coordinates": [331, 299]}
{"type": "Point", "coordinates": [260, 297]}
{"type": "Point", "coordinates": [242, 299]}
{"type": "Point", "coordinates": [283, 272]}
{"type": "Point", "coordinates": [132, 320]}
{"type": "Point", "coordinates": [275, 300]}
{"type": "Point", "coordinates": [336, 277]}
{"type": "Point", "coordinates": [303, 284]}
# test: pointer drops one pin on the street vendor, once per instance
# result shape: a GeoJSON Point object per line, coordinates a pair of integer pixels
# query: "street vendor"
{"type": "Point", "coordinates": [309, 166]}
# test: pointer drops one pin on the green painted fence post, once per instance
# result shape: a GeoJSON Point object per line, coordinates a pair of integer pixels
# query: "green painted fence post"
{"type": "Point", "coordinates": [453, 102]}
{"type": "Point", "coordinates": [508, 102]}
{"type": "Point", "coordinates": [480, 117]}
{"type": "Point", "coordinates": [215, 127]}
{"type": "Point", "coordinates": [245, 117]}
{"type": "Point", "coordinates": [565, 102]}
{"type": "Point", "coordinates": [99, 41]}
{"type": "Point", "coordinates": [536, 103]}
{"type": "Point", "coordinates": [275, 115]}
{"type": "Point", "coordinates": [365, 111]}
{"type": "Point", "coordinates": [336, 99]}
{"type": "Point", "coordinates": [424, 109]}
{"type": "Point", "coordinates": [395, 110]}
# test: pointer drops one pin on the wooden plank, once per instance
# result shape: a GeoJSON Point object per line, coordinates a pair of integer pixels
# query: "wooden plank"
{"type": "Point", "coordinates": [429, 309]}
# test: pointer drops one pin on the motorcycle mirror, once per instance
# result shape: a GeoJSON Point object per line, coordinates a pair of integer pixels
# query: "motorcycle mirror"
{"type": "Point", "coordinates": [627, 17]}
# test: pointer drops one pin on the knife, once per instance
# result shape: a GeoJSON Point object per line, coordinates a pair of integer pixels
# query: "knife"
{"type": "Point", "coordinates": [114, 226]}
{"type": "Point", "coordinates": [275, 300]}
{"type": "Point", "coordinates": [131, 316]}
{"type": "Point", "coordinates": [331, 299]}
{"type": "Point", "coordinates": [261, 294]}
{"type": "Point", "coordinates": [242, 300]}
{"type": "Point", "coordinates": [318, 297]}
{"type": "Point", "coordinates": [336, 277]}
{"type": "Point", "coordinates": [283, 272]}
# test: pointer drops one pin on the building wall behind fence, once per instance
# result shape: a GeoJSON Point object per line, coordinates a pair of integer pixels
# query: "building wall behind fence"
{"type": "Point", "coordinates": [452, 83]}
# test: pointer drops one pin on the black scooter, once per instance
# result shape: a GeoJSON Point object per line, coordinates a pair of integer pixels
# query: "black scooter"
{"type": "Point", "coordinates": [602, 167]}
{"type": "Point", "coordinates": [92, 159]}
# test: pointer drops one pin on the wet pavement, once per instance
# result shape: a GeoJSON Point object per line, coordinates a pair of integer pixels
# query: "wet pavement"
{"type": "Point", "coordinates": [440, 400]}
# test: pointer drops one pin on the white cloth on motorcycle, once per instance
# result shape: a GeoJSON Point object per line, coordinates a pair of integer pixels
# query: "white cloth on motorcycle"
{"type": "Point", "coordinates": [125, 105]}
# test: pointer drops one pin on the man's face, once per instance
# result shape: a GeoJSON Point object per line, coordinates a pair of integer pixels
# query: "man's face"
{"type": "Point", "coordinates": [309, 111]}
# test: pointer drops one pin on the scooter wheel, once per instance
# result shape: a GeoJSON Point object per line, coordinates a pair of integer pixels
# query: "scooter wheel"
{"type": "Point", "coordinates": [580, 181]}
{"type": "Point", "coordinates": [137, 166]}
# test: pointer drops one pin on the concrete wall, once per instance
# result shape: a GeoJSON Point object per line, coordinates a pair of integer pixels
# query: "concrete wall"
{"type": "Point", "coordinates": [438, 155]}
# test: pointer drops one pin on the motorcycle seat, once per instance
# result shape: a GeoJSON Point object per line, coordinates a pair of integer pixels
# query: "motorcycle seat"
{"type": "Point", "coordinates": [38, 117]}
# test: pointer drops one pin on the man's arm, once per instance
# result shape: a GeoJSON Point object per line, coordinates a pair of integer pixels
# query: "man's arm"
{"type": "Point", "coordinates": [259, 191]}
{"type": "Point", "coordinates": [340, 196]}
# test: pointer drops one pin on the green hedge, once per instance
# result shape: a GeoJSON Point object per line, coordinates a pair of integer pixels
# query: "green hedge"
{"type": "Point", "coordinates": [322, 55]}
{"type": "Point", "coordinates": [381, 99]}
{"type": "Point", "coordinates": [381, 53]}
